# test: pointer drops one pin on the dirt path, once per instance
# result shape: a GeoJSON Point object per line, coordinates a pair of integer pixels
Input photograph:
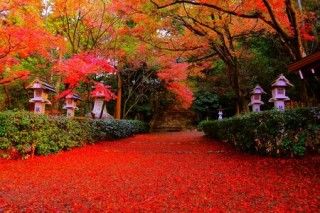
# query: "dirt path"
{"type": "Point", "coordinates": [170, 172]}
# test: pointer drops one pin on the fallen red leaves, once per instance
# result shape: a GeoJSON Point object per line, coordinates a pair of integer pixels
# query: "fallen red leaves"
{"type": "Point", "coordinates": [175, 171]}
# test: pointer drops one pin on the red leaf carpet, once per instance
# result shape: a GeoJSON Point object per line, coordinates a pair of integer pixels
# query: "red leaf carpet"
{"type": "Point", "coordinates": [160, 172]}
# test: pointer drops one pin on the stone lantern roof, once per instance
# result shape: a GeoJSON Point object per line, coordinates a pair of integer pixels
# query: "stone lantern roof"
{"type": "Point", "coordinates": [38, 84]}
{"type": "Point", "coordinates": [43, 96]}
{"type": "Point", "coordinates": [258, 91]}
{"type": "Point", "coordinates": [73, 96]}
{"type": "Point", "coordinates": [281, 81]}
{"type": "Point", "coordinates": [255, 102]}
{"type": "Point", "coordinates": [98, 94]}
{"type": "Point", "coordinates": [102, 91]}
{"type": "Point", "coordinates": [284, 98]}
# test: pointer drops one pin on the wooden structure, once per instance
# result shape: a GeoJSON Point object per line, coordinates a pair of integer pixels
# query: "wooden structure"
{"type": "Point", "coordinates": [307, 66]}
{"type": "Point", "coordinates": [256, 102]}
{"type": "Point", "coordinates": [71, 104]}
{"type": "Point", "coordinates": [279, 96]}
{"type": "Point", "coordinates": [309, 70]}
{"type": "Point", "coordinates": [40, 98]}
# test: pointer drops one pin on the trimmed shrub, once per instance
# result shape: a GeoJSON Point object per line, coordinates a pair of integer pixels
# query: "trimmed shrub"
{"type": "Point", "coordinates": [116, 129]}
{"type": "Point", "coordinates": [139, 126]}
{"type": "Point", "coordinates": [270, 132]}
{"type": "Point", "coordinates": [25, 131]}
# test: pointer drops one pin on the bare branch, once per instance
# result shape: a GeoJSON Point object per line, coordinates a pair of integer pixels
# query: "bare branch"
{"type": "Point", "coordinates": [254, 15]}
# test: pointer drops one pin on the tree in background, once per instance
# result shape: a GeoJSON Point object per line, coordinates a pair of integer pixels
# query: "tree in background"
{"type": "Point", "coordinates": [180, 46]}
{"type": "Point", "coordinates": [206, 104]}
{"type": "Point", "coordinates": [23, 38]}
{"type": "Point", "coordinates": [22, 35]}
{"type": "Point", "coordinates": [282, 17]}
{"type": "Point", "coordinates": [198, 36]}
{"type": "Point", "coordinates": [293, 27]}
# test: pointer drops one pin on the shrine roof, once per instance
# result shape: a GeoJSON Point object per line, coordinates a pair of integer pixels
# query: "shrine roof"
{"type": "Point", "coordinates": [309, 62]}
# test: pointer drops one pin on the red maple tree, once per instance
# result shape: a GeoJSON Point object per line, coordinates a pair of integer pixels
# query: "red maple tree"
{"type": "Point", "coordinates": [22, 34]}
{"type": "Point", "coordinates": [81, 67]}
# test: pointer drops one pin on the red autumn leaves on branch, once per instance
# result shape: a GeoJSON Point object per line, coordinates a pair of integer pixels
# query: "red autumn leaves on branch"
{"type": "Point", "coordinates": [81, 67]}
{"type": "Point", "coordinates": [18, 43]}
{"type": "Point", "coordinates": [78, 68]}
{"type": "Point", "coordinates": [23, 34]}
{"type": "Point", "coordinates": [174, 76]}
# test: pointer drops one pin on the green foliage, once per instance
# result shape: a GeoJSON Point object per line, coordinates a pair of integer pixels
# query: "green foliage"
{"type": "Point", "coordinates": [205, 104]}
{"type": "Point", "coordinates": [131, 23]}
{"type": "Point", "coordinates": [23, 130]}
{"type": "Point", "coordinates": [271, 132]}
{"type": "Point", "coordinates": [129, 45]}
{"type": "Point", "coordinates": [139, 126]}
{"type": "Point", "coordinates": [37, 65]}
{"type": "Point", "coordinates": [140, 85]}
{"type": "Point", "coordinates": [264, 65]}
{"type": "Point", "coordinates": [219, 66]}
{"type": "Point", "coordinates": [116, 129]}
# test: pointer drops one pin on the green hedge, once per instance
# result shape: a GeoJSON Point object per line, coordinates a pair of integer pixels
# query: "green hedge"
{"type": "Point", "coordinates": [116, 129]}
{"type": "Point", "coordinates": [276, 133]}
{"type": "Point", "coordinates": [21, 130]}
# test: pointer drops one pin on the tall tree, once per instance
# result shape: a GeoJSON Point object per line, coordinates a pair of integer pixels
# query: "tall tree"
{"type": "Point", "coordinates": [281, 16]}
{"type": "Point", "coordinates": [198, 35]}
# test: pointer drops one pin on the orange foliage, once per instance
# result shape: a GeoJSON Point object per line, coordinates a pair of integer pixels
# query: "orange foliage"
{"type": "Point", "coordinates": [174, 76]}
{"type": "Point", "coordinates": [22, 42]}
{"type": "Point", "coordinates": [182, 92]}
{"type": "Point", "coordinates": [21, 74]}
{"type": "Point", "coordinates": [277, 16]}
{"type": "Point", "coordinates": [22, 34]}
{"type": "Point", "coordinates": [173, 72]}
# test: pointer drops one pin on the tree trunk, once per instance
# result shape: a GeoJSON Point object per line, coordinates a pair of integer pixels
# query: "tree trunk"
{"type": "Point", "coordinates": [55, 102]}
{"type": "Point", "coordinates": [7, 94]}
{"type": "Point", "coordinates": [240, 102]}
{"type": "Point", "coordinates": [244, 102]}
{"type": "Point", "coordinates": [117, 113]}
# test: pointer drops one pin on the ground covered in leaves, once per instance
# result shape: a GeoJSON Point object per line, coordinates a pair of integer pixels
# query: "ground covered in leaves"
{"type": "Point", "coordinates": [171, 171]}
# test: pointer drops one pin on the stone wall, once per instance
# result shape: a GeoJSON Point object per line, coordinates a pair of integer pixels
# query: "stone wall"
{"type": "Point", "coordinates": [173, 120]}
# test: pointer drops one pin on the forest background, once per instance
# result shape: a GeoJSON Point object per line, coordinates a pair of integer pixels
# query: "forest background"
{"type": "Point", "coordinates": [182, 55]}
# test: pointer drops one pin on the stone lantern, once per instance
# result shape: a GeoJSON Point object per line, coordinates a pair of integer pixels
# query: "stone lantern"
{"type": "Point", "coordinates": [256, 98]}
{"type": "Point", "coordinates": [101, 96]}
{"type": "Point", "coordinates": [40, 97]}
{"type": "Point", "coordinates": [279, 92]}
{"type": "Point", "coordinates": [220, 113]}
{"type": "Point", "coordinates": [71, 104]}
